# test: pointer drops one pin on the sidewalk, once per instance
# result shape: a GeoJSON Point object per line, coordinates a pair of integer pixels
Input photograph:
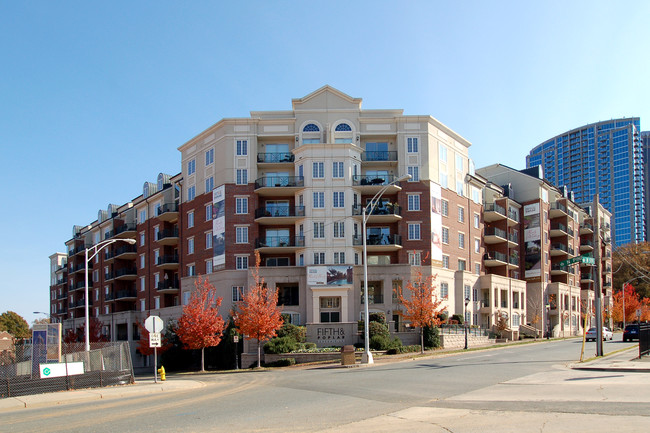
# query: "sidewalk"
{"type": "Point", "coordinates": [84, 395]}
{"type": "Point", "coordinates": [626, 361]}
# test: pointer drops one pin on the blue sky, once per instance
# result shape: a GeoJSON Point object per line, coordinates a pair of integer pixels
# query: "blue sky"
{"type": "Point", "coordinates": [95, 97]}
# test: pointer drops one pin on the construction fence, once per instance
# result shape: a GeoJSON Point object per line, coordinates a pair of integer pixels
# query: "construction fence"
{"type": "Point", "coordinates": [29, 369]}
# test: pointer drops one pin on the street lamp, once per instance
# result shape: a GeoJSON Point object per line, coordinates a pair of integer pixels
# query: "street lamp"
{"type": "Point", "coordinates": [367, 210]}
{"type": "Point", "coordinates": [548, 321]}
{"type": "Point", "coordinates": [49, 317]}
{"type": "Point", "coordinates": [465, 320]}
{"type": "Point", "coordinates": [95, 249]}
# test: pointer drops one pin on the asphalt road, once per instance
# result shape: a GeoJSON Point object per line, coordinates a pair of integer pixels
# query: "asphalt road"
{"type": "Point", "coordinates": [461, 392]}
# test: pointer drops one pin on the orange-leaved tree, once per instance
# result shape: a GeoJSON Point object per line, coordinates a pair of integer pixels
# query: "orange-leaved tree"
{"type": "Point", "coordinates": [632, 304]}
{"type": "Point", "coordinates": [258, 316]}
{"type": "Point", "coordinates": [422, 304]}
{"type": "Point", "coordinates": [201, 326]}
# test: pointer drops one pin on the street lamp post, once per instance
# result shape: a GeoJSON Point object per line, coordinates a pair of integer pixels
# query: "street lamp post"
{"type": "Point", "coordinates": [49, 316]}
{"type": "Point", "coordinates": [367, 210]}
{"type": "Point", "coordinates": [465, 320]}
{"type": "Point", "coordinates": [90, 253]}
{"type": "Point", "coordinates": [548, 321]}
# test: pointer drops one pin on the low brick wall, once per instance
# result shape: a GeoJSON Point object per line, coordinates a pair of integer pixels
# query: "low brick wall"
{"type": "Point", "coordinates": [457, 341]}
{"type": "Point", "coordinates": [247, 359]}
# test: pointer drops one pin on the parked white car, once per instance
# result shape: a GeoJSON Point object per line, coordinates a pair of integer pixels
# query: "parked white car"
{"type": "Point", "coordinates": [591, 334]}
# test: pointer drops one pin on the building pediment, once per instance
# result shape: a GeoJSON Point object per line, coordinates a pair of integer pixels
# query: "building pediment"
{"type": "Point", "coordinates": [326, 97]}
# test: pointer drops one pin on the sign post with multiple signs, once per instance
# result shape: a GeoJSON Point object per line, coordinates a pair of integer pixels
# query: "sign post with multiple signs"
{"type": "Point", "coordinates": [154, 325]}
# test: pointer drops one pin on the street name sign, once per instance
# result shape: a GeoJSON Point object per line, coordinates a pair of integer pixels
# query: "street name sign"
{"type": "Point", "coordinates": [585, 260]}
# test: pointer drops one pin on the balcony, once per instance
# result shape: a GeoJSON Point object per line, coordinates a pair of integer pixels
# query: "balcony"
{"type": "Point", "coordinates": [126, 295]}
{"type": "Point", "coordinates": [586, 277]}
{"type": "Point", "coordinates": [279, 186]}
{"type": "Point", "coordinates": [78, 286]}
{"type": "Point", "coordinates": [76, 251]}
{"type": "Point", "coordinates": [125, 252]}
{"type": "Point", "coordinates": [388, 213]}
{"type": "Point", "coordinates": [384, 242]}
{"type": "Point", "coordinates": [279, 214]}
{"type": "Point", "coordinates": [558, 229]}
{"type": "Point", "coordinates": [275, 158]}
{"type": "Point", "coordinates": [493, 212]}
{"type": "Point", "coordinates": [168, 212]}
{"type": "Point", "coordinates": [168, 236]}
{"type": "Point", "coordinates": [123, 274]}
{"type": "Point", "coordinates": [125, 231]}
{"type": "Point", "coordinates": [279, 244]}
{"type": "Point", "coordinates": [558, 249]}
{"type": "Point", "coordinates": [373, 184]}
{"type": "Point", "coordinates": [513, 261]}
{"type": "Point", "coordinates": [513, 239]}
{"type": "Point", "coordinates": [494, 235]}
{"type": "Point", "coordinates": [586, 245]}
{"type": "Point", "coordinates": [556, 269]}
{"type": "Point", "coordinates": [168, 286]}
{"type": "Point", "coordinates": [495, 258]}
{"type": "Point", "coordinates": [168, 261]}
{"type": "Point", "coordinates": [79, 303]}
{"type": "Point", "coordinates": [558, 210]}
{"type": "Point", "coordinates": [382, 157]}
{"type": "Point", "coordinates": [586, 229]}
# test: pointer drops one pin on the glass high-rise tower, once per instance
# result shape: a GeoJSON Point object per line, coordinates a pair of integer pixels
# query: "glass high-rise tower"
{"type": "Point", "coordinates": [605, 158]}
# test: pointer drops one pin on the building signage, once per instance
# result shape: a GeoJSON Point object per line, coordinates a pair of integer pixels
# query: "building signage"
{"type": "Point", "coordinates": [155, 339]}
{"type": "Point", "coordinates": [219, 226]}
{"type": "Point", "coordinates": [329, 275]}
{"type": "Point", "coordinates": [436, 224]}
{"type": "Point", "coordinates": [59, 369]}
{"type": "Point", "coordinates": [532, 242]}
{"type": "Point", "coordinates": [330, 334]}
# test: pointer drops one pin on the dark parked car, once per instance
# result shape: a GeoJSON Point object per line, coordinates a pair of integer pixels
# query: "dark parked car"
{"type": "Point", "coordinates": [631, 332]}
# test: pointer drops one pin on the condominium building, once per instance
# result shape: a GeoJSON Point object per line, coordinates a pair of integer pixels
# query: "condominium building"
{"type": "Point", "coordinates": [604, 158]}
{"type": "Point", "coordinates": [645, 139]}
{"type": "Point", "coordinates": [291, 186]}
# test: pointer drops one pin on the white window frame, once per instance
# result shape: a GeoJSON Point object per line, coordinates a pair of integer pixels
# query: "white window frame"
{"type": "Point", "coordinates": [319, 200]}
{"type": "Point", "coordinates": [338, 199]}
{"type": "Point", "coordinates": [241, 262]}
{"type": "Point", "coordinates": [190, 219]}
{"type": "Point", "coordinates": [208, 240]}
{"type": "Point", "coordinates": [241, 205]}
{"type": "Point", "coordinates": [190, 245]}
{"type": "Point", "coordinates": [241, 234]}
{"type": "Point", "coordinates": [414, 202]}
{"type": "Point", "coordinates": [414, 233]}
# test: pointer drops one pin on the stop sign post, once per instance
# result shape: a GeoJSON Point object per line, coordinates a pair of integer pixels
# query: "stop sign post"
{"type": "Point", "coordinates": [154, 325]}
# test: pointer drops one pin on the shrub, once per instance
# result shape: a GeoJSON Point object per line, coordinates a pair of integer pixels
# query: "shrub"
{"type": "Point", "coordinates": [298, 333]}
{"type": "Point", "coordinates": [283, 362]}
{"type": "Point", "coordinates": [431, 337]}
{"type": "Point", "coordinates": [458, 318]}
{"type": "Point", "coordinates": [403, 349]}
{"type": "Point", "coordinates": [376, 328]}
{"type": "Point", "coordinates": [279, 345]}
{"type": "Point", "coordinates": [379, 342]}
{"type": "Point", "coordinates": [379, 317]}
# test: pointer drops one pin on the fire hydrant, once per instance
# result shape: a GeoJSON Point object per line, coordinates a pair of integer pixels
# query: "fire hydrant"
{"type": "Point", "coordinates": [161, 371]}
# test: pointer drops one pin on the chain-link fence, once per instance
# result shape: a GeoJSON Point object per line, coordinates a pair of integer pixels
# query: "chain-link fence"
{"type": "Point", "coordinates": [26, 369]}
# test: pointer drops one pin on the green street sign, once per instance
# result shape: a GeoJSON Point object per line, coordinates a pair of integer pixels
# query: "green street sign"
{"type": "Point", "coordinates": [585, 260]}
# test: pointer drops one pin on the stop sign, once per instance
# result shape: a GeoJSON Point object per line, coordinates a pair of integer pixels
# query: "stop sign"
{"type": "Point", "coordinates": [154, 324]}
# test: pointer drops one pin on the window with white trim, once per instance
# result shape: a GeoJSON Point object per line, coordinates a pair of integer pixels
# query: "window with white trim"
{"type": "Point", "coordinates": [209, 157]}
{"type": "Point", "coordinates": [208, 212]}
{"type": "Point", "coordinates": [242, 176]}
{"type": "Point", "coordinates": [445, 262]}
{"type": "Point", "coordinates": [209, 184]}
{"type": "Point", "coordinates": [415, 258]}
{"type": "Point", "coordinates": [142, 239]}
{"type": "Point", "coordinates": [142, 261]}
{"type": "Point", "coordinates": [444, 209]}
{"type": "Point", "coordinates": [319, 230]}
{"type": "Point", "coordinates": [414, 232]}
{"type": "Point", "coordinates": [319, 258]}
{"type": "Point", "coordinates": [190, 246]}
{"type": "Point", "coordinates": [237, 293]}
{"type": "Point", "coordinates": [412, 144]}
{"type": "Point", "coordinates": [414, 202]}
{"type": "Point", "coordinates": [477, 220]}
{"type": "Point", "coordinates": [241, 234]}
{"type": "Point", "coordinates": [477, 245]}
{"type": "Point", "coordinates": [444, 290]}
{"type": "Point", "coordinates": [414, 171]}
{"type": "Point", "coordinates": [191, 270]}
{"type": "Point", "coordinates": [445, 235]}
{"type": "Point", "coordinates": [339, 229]}
{"type": "Point", "coordinates": [142, 284]}
{"type": "Point", "coordinates": [242, 147]}
{"type": "Point", "coordinates": [477, 268]}
{"type": "Point", "coordinates": [337, 169]}
{"type": "Point", "coordinates": [208, 266]}
{"type": "Point", "coordinates": [339, 257]}
{"type": "Point", "coordinates": [461, 264]}
{"type": "Point", "coordinates": [190, 219]}
{"type": "Point", "coordinates": [338, 199]}
{"type": "Point", "coordinates": [241, 205]}
{"type": "Point", "coordinates": [461, 214]}
{"type": "Point", "coordinates": [319, 200]}
{"type": "Point", "coordinates": [241, 262]}
{"type": "Point", "coordinates": [461, 240]}
{"type": "Point", "coordinates": [191, 167]}
{"type": "Point", "coordinates": [318, 170]}
{"type": "Point", "coordinates": [208, 240]}
{"type": "Point", "coordinates": [191, 193]}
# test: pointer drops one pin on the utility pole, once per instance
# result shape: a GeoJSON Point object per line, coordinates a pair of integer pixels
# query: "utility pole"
{"type": "Point", "coordinates": [598, 282]}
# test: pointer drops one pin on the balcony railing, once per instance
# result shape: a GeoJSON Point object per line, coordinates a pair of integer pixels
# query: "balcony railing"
{"type": "Point", "coordinates": [280, 211]}
{"type": "Point", "coordinates": [514, 260]}
{"type": "Point", "coordinates": [494, 231]}
{"type": "Point", "coordinates": [386, 155]}
{"type": "Point", "coordinates": [169, 207]}
{"type": "Point", "coordinates": [168, 285]}
{"type": "Point", "coordinates": [495, 255]}
{"type": "Point", "coordinates": [279, 182]}
{"type": "Point", "coordinates": [121, 294]}
{"type": "Point", "coordinates": [390, 239]}
{"type": "Point", "coordinates": [375, 180]}
{"type": "Point", "coordinates": [167, 259]}
{"type": "Point", "coordinates": [168, 233]}
{"type": "Point", "coordinates": [513, 215]}
{"type": "Point", "coordinates": [493, 207]}
{"type": "Point", "coordinates": [125, 249]}
{"type": "Point", "coordinates": [559, 206]}
{"type": "Point", "coordinates": [561, 247]}
{"type": "Point", "coordinates": [280, 241]}
{"type": "Point", "coordinates": [129, 227]}
{"type": "Point", "coordinates": [121, 273]}
{"type": "Point", "coordinates": [386, 209]}
{"type": "Point", "coordinates": [277, 157]}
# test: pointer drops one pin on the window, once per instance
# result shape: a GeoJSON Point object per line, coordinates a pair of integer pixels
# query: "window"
{"type": "Point", "coordinates": [319, 230]}
{"type": "Point", "coordinates": [95, 275]}
{"type": "Point", "coordinates": [461, 264]}
{"type": "Point", "coordinates": [339, 258]}
{"type": "Point", "coordinates": [143, 285]}
{"type": "Point", "coordinates": [143, 216]}
{"type": "Point", "coordinates": [477, 220]}
{"type": "Point", "coordinates": [209, 184]}
{"type": "Point", "coordinates": [301, 260]}
{"type": "Point", "coordinates": [190, 219]}
{"type": "Point", "coordinates": [319, 200]}
{"type": "Point", "coordinates": [319, 258]}
{"type": "Point", "coordinates": [477, 245]}
{"type": "Point", "coordinates": [461, 240]}
{"type": "Point", "coordinates": [237, 293]}
{"type": "Point", "coordinates": [191, 270]}
{"type": "Point", "coordinates": [209, 157]}
{"type": "Point", "coordinates": [156, 256]}
{"type": "Point", "coordinates": [208, 212]}
{"type": "Point", "coordinates": [186, 297]}
{"type": "Point", "coordinates": [444, 290]}
{"type": "Point", "coordinates": [445, 208]}
{"type": "Point", "coordinates": [343, 127]}
{"type": "Point", "coordinates": [318, 170]}
{"type": "Point", "coordinates": [311, 127]}
{"type": "Point", "coordinates": [241, 262]}
{"type": "Point", "coordinates": [156, 302]}
{"type": "Point", "coordinates": [190, 246]}
{"type": "Point", "coordinates": [208, 266]}
{"type": "Point", "coordinates": [242, 147]}
{"type": "Point", "coordinates": [445, 262]}
{"type": "Point", "coordinates": [466, 292]}
{"type": "Point", "coordinates": [414, 232]}
{"type": "Point", "coordinates": [445, 235]}
{"type": "Point", "coordinates": [461, 214]}
{"type": "Point", "coordinates": [191, 167]}
{"type": "Point", "coordinates": [242, 177]}
{"type": "Point", "coordinates": [339, 199]}
{"type": "Point", "coordinates": [142, 261]}
{"type": "Point", "coordinates": [477, 268]}
{"type": "Point", "coordinates": [142, 306]}
{"type": "Point", "coordinates": [443, 154]}
{"type": "Point", "coordinates": [208, 240]}
{"type": "Point", "coordinates": [414, 202]}
{"type": "Point", "coordinates": [337, 169]}
{"type": "Point", "coordinates": [142, 239]}
{"type": "Point", "coordinates": [241, 205]}
{"type": "Point", "coordinates": [415, 258]}
{"type": "Point", "coordinates": [414, 172]}
{"type": "Point", "coordinates": [412, 144]}
{"type": "Point", "coordinates": [156, 280]}
{"type": "Point", "coordinates": [191, 193]}
{"type": "Point", "coordinates": [339, 229]}
{"type": "Point", "coordinates": [241, 235]}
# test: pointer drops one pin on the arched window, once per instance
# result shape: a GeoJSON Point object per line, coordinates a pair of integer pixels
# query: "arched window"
{"type": "Point", "coordinates": [311, 127]}
{"type": "Point", "coordinates": [343, 127]}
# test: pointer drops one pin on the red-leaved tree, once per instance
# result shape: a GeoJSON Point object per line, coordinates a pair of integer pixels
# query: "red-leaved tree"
{"type": "Point", "coordinates": [422, 304]}
{"type": "Point", "coordinates": [258, 315]}
{"type": "Point", "coordinates": [143, 342]}
{"type": "Point", "coordinates": [201, 326]}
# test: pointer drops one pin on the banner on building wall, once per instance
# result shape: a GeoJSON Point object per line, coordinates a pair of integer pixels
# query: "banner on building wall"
{"type": "Point", "coordinates": [219, 226]}
{"type": "Point", "coordinates": [532, 242]}
{"type": "Point", "coordinates": [329, 275]}
{"type": "Point", "coordinates": [436, 224]}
